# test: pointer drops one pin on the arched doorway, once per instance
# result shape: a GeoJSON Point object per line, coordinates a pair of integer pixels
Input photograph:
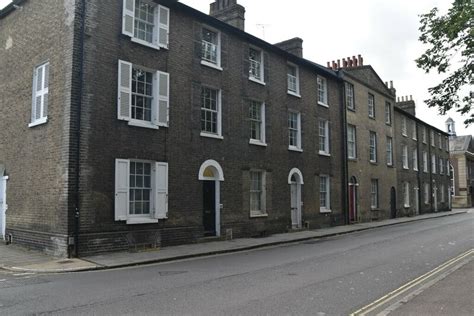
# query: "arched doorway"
{"type": "Point", "coordinates": [211, 175]}
{"type": "Point", "coordinates": [295, 180]}
{"type": "Point", "coordinates": [353, 200]}
{"type": "Point", "coordinates": [393, 203]}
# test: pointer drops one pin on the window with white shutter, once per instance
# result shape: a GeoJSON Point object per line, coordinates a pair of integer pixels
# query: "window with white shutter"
{"type": "Point", "coordinates": [146, 22]}
{"type": "Point", "coordinates": [40, 99]}
{"type": "Point", "coordinates": [141, 191]}
{"type": "Point", "coordinates": [143, 96]}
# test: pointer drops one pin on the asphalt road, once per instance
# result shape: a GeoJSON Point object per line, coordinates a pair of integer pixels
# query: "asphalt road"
{"type": "Point", "coordinates": [332, 276]}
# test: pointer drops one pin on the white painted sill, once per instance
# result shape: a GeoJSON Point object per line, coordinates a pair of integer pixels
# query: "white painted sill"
{"type": "Point", "coordinates": [257, 143]}
{"type": "Point", "coordinates": [41, 121]}
{"type": "Point", "coordinates": [142, 124]}
{"type": "Point", "coordinates": [322, 153]}
{"type": "Point", "coordinates": [257, 81]}
{"type": "Point", "coordinates": [215, 136]}
{"type": "Point", "coordinates": [323, 104]}
{"type": "Point", "coordinates": [258, 215]}
{"type": "Point", "coordinates": [406, 206]}
{"type": "Point", "coordinates": [325, 210]}
{"type": "Point", "coordinates": [291, 148]}
{"type": "Point", "coordinates": [145, 43]}
{"type": "Point", "coordinates": [141, 220]}
{"type": "Point", "coordinates": [294, 94]}
{"type": "Point", "coordinates": [211, 65]}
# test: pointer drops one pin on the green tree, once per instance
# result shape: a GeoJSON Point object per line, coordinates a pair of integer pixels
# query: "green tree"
{"type": "Point", "coordinates": [450, 38]}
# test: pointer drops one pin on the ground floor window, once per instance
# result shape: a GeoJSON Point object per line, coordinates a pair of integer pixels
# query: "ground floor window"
{"type": "Point", "coordinates": [257, 192]}
{"type": "Point", "coordinates": [324, 193]}
{"type": "Point", "coordinates": [374, 194]}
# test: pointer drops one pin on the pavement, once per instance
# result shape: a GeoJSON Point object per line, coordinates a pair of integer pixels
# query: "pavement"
{"type": "Point", "coordinates": [18, 259]}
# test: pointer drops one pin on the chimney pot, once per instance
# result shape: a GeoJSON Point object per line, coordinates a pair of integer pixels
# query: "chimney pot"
{"type": "Point", "coordinates": [229, 11]}
{"type": "Point", "coordinates": [338, 63]}
{"type": "Point", "coordinates": [411, 97]}
{"type": "Point", "coordinates": [344, 63]}
{"type": "Point", "coordinates": [391, 84]}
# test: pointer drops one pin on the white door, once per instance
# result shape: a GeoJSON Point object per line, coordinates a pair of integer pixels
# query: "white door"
{"type": "Point", "coordinates": [295, 205]}
{"type": "Point", "coordinates": [3, 205]}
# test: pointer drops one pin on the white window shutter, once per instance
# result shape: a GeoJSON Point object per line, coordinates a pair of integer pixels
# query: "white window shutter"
{"type": "Point", "coordinates": [122, 190]}
{"type": "Point", "coordinates": [128, 18]}
{"type": "Point", "coordinates": [161, 189]}
{"type": "Point", "coordinates": [163, 98]}
{"type": "Point", "coordinates": [163, 26]}
{"type": "Point", "coordinates": [124, 90]}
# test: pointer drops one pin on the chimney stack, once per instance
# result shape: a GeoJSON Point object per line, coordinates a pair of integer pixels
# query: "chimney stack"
{"type": "Point", "coordinates": [407, 104]}
{"type": "Point", "coordinates": [293, 46]}
{"type": "Point", "coordinates": [230, 12]}
{"type": "Point", "coordinates": [348, 62]}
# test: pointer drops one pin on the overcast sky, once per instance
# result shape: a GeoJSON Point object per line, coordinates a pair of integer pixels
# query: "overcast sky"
{"type": "Point", "coordinates": [385, 33]}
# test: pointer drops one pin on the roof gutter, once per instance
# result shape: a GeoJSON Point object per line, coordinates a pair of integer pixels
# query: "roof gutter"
{"type": "Point", "coordinates": [14, 5]}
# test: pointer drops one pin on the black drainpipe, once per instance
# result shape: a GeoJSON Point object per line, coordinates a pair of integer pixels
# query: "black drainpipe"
{"type": "Point", "coordinates": [78, 128]}
{"type": "Point", "coordinates": [345, 164]}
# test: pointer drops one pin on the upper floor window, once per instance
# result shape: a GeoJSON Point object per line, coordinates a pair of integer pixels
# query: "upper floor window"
{"type": "Point", "coordinates": [143, 96]}
{"type": "Point", "coordinates": [413, 134]}
{"type": "Point", "coordinates": [373, 147]}
{"type": "Point", "coordinates": [425, 162]}
{"type": "Point", "coordinates": [294, 130]}
{"type": "Point", "coordinates": [39, 107]}
{"type": "Point", "coordinates": [322, 91]}
{"type": "Point", "coordinates": [350, 96]}
{"type": "Point", "coordinates": [324, 137]}
{"type": "Point", "coordinates": [446, 144]}
{"type": "Point", "coordinates": [441, 166]}
{"type": "Point", "coordinates": [448, 167]}
{"type": "Point", "coordinates": [371, 105]}
{"type": "Point", "coordinates": [440, 145]}
{"type": "Point", "coordinates": [211, 48]}
{"type": "Point", "coordinates": [324, 193]}
{"type": "Point", "coordinates": [388, 113]}
{"type": "Point", "coordinates": [415, 159]}
{"type": "Point", "coordinates": [432, 138]}
{"type": "Point", "coordinates": [405, 157]}
{"type": "Point", "coordinates": [424, 134]}
{"type": "Point", "coordinates": [256, 70]}
{"type": "Point", "coordinates": [293, 80]}
{"type": "Point", "coordinates": [404, 126]}
{"type": "Point", "coordinates": [211, 113]}
{"type": "Point", "coordinates": [257, 122]}
{"type": "Point", "coordinates": [351, 142]}
{"type": "Point", "coordinates": [389, 151]}
{"type": "Point", "coordinates": [141, 191]}
{"type": "Point", "coordinates": [146, 22]}
{"type": "Point", "coordinates": [433, 163]}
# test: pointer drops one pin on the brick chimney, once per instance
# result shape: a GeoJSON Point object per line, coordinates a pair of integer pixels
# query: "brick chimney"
{"type": "Point", "coordinates": [293, 46]}
{"type": "Point", "coordinates": [407, 104]}
{"type": "Point", "coordinates": [349, 62]}
{"type": "Point", "coordinates": [230, 12]}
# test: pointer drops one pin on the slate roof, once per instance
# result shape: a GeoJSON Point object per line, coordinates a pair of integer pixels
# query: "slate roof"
{"type": "Point", "coordinates": [460, 143]}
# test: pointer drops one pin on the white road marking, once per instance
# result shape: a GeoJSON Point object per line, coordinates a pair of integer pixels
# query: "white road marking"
{"type": "Point", "coordinates": [21, 274]}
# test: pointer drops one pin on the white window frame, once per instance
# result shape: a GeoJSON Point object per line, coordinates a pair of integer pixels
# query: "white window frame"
{"type": "Point", "coordinates": [448, 171]}
{"type": "Point", "coordinates": [218, 134]}
{"type": "Point", "coordinates": [388, 113]}
{"type": "Point", "coordinates": [441, 165]}
{"type": "Point", "coordinates": [325, 137]}
{"type": "Point", "coordinates": [158, 194]}
{"type": "Point", "coordinates": [327, 193]}
{"type": "Point", "coordinates": [415, 159]}
{"type": "Point", "coordinates": [374, 194]}
{"type": "Point", "coordinates": [160, 102]}
{"type": "Point", "coordinates": [260, 64]}
{"type": "Point", "coordinates": [404, 126]}
{"type": "Point", "coordinates": [389, 151]}
{"type": "Point", "coordinates": [262, 140]}
{"type": "Point", "coordinates": [159, 25]}
{"type": "Point", "coordinates": [405, 157]}
{"type": "Point", "coordinates": [262, 192]}
{"type": "Point", "coordinates": [426, 193]}
{"type": "Point", "coordinates": [298, 146]}
{"type": "Point", "coordinates": [433, 164]}
{"type": "Point", "coordinates": [424, 134]}
{"type": "Point", "coordinates": [350, 100]}
{"type": "Point", "coordinates": [413, 135]}
{"type": "Point", "coordinates": [425, 162]}
{"type": "Point", "coordinates": [42, 93]}
{"type": "Point", "coordinates": [446, 143]}
{"type": "Point", "coordinates": [406, 194]}
{"type": "Point", "coordinates": [352, 143]}
{"type": "Point", "coordinates": [442, 199]}
{"type": "Point", "coordinates": [322, 91]}
{"type": "Point", "coordinates": [371, 105]}
{"type": "Point", "coordinates": [372, 147]}
{"type": "Point", "coordinates": [209, 62]}
{"type": "Point", "coordinates": [432, 138]}
{"type": "Point", "coordinates": [289, 76]}
{"type": "Point", "coordinates": [440, 142]}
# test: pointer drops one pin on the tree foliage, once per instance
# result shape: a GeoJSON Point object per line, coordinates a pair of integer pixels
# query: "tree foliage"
{"type": "Point", "coordinates": [450, 38]}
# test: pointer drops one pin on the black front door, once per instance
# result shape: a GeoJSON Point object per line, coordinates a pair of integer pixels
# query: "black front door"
{"type": "Point", "coordinates": [393, 203]}
{"type": "Point", "coordinates": [209, 208]}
